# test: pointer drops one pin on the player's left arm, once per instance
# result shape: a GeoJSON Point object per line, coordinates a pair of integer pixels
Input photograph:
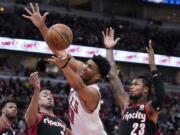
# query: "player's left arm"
{"type": "Point", "coordinates": [89, 95]}
{"type": "Point", "coordinates": [2, 126]}
{"type": "Point", "coordinates": [155, 105]}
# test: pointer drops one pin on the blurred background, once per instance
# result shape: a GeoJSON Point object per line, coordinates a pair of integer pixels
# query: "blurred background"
{"type": "Point", "coordinates": [134, 21]}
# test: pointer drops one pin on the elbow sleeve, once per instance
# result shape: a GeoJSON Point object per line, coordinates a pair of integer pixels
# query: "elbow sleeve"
{"type": "Point", "coordinates": [159, 97]}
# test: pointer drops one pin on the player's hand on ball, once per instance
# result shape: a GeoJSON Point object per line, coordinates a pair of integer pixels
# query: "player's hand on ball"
{"type": "Point", "coordinates": [34, 15]}
{"type": "Point", "coordinates": [108, 37]}
{"type": "Point", "coordinates": [60, 61]}
{"type": "Point", "coordinates": [34, 81]}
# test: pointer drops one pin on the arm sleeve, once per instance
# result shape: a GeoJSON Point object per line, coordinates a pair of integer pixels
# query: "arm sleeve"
{"type": "Point", "coordinates": [159, 97]}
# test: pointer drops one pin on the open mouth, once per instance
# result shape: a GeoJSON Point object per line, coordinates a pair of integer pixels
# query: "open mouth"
{"type": "Point", "coordinates": [49, 102]}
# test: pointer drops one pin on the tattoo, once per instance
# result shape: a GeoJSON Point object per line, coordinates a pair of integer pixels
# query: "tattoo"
{"type": "Point", "coordinates": [119, 93]}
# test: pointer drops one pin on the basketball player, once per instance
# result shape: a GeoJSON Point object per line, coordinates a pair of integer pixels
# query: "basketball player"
{"type": "Point", "coordinates": [9, 112]}
{"type": "Point", "coordinates": [43, 121]}
{"type": "Point", "coordinates": [84, 101]}
{"type": "Point", "coordinates": [139, 111]}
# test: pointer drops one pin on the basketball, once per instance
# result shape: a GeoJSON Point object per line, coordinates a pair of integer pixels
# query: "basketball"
{"type": "Point", "coordinates": [59, 36]}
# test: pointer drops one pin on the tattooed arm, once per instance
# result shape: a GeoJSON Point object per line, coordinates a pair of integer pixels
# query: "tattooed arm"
{"type": "Point", "coordinates": [119, 93]}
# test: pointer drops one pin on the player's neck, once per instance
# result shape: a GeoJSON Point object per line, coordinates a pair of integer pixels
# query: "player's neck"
{"type": "Point", "coordinates": [141, 100]}
{"type": "Point", "coordinates": [91, 82]}
{"type": "Point", "coordinates": [47, 110]}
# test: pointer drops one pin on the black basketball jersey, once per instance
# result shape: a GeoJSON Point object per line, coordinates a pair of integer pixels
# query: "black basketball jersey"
{"type": "Point", "coordinates": [7, 131]}
{"type": "Point", "coordinates": [48, 125]}
{"type": "Point", "coordinates": [136, 121]}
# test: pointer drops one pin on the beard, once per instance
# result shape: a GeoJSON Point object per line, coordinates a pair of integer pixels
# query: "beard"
{"type": "Point", "coordinates": [46, 106]}
{"type": "Point", "coordinates": [10, 117]}
{"type": "Point", "coordinates": [86, 80]}
{"type": "Point", "coordinates": [50, 106]}
{"type": "Point", "coordinates": [136, 97]}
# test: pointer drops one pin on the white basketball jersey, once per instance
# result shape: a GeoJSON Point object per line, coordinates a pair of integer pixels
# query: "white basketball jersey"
{"type": "Point", "coordinates": [82, 121]}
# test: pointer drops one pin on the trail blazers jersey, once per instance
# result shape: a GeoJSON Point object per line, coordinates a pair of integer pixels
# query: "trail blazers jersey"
{"type": "Point", "coordinates": [48, 125]}
{"type": "Point", "coordinates": [8, 131]}
{"type": "Point", "coordinates": [82, 121]}
{"type": "Point", "coordinates": [136, 121]}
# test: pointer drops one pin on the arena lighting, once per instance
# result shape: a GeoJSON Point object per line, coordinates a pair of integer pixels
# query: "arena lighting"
{"type": "Point", "coordinates": [156, 1]}
{"type": "Point", "coordinates": [1, 9]}
{"type": "Point", "coordinates": [175, 2]}
{"type": "Point", "coordinates": [86, 52]}
{"type": "Point", "coordinates": [54, 69]}
{"type": "Point", "coordinates": [101, 101]}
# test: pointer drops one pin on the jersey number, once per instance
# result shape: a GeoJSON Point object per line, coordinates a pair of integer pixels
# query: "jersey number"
{"type": "Point", "coordinates": [71, 116]}
{"type": "Point", "coordinates": [140, 127]}
{"type": "Point", "coordinates": [73, 110]}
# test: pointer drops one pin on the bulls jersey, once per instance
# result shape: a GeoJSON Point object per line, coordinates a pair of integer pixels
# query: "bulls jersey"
{"type": "Point", "coordinates": [136, 121]}
{"type": "Point", "coordinates": [48, 125]}
{"type": "Point", "coordinates": [82, 121]}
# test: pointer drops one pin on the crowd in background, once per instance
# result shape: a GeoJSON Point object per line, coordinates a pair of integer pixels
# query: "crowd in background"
{"type": "Point", "coordinates": [169, 118]}
{"type": "Point", "coordinates": [87, 32]}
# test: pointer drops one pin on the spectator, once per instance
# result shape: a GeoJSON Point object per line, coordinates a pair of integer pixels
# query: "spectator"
{"type": "Point", "coordinates": [87, 32]}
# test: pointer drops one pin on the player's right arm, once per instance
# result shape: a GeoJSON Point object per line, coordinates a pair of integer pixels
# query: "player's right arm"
{"type": "Point", "coordinates": [119, 93]}
{"type": "Point", "coordinates": [39, 21]}
{"type": "Point", "coordinates": [32, 115]}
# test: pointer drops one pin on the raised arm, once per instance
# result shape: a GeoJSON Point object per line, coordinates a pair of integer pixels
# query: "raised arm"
{"type": "Point", "coordinates": [155, 105]}
{"type": "Point", "coordinates": [88, 94]}
{"type": "Point", "coordinates": [119, 93]}
{"type": "Point", "coordinates": [32, 114]}
{"type": "Point", "coordinates": [39, 21]}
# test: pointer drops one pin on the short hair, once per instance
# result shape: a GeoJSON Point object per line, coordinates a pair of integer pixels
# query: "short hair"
{"type": "Point", "coordinates": [147, 81]}
{"type": "Point", "coordinates": [46, 89]}
{"type": "Point", "coordinates": [5, 101]}
{"type": "Point", "coordinates": [102, 63]}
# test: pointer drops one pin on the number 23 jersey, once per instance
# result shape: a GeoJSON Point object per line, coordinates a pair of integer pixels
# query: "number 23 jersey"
{"type": "Point", "coordinates": [136, 121]}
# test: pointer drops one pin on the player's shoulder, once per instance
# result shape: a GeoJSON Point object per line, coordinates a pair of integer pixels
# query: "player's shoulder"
{"type": "Point", "coordinates": [2, 125]}
{"type": "Point", "coordinates": [95, 86]}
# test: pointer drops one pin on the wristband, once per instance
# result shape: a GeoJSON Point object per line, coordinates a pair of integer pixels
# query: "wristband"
{"type": "Point", "coordinates": [66, 63]}
{"type": "Point", "coordinates": [156, 73]}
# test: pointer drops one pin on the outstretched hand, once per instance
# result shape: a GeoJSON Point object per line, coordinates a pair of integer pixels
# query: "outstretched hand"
{"type": "Point", "coordinates": [150, 52]}
{"type": "Point", "coordinates": [34, 15]}
{"type": "Point", "coordinates": [34, 81]}
{"type": "Point", "coordinates": [60, 61]}
{"type": "Point", "coordinates": [108, 37]}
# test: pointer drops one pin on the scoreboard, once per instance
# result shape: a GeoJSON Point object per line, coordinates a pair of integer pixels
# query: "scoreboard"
{"type": "Point", "coordinates": [175, 2]}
